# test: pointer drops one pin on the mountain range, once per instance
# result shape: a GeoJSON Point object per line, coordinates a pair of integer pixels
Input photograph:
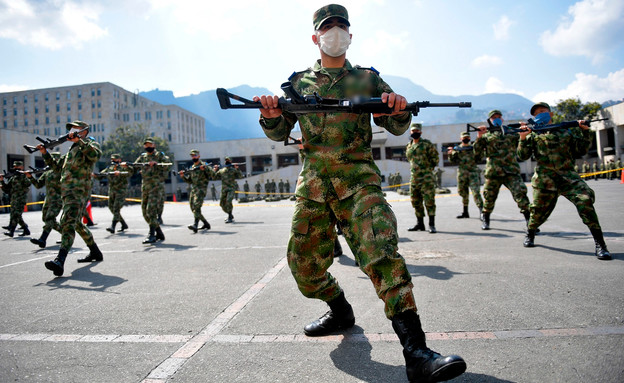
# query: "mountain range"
{"type": "Point", "coordinates": [241, 124]}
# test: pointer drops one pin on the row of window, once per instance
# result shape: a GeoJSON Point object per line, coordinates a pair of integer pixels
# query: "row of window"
{"type": "Point", "coordinates": [46, 96]}
{"type": "Point", "coordinates": [47, 108]}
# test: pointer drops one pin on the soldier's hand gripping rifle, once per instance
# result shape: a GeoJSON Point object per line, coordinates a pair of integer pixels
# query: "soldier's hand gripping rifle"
{"type": "Point", "coordinates": [298, 104]}
{"type": "Point", "coordinates": [49, 143]}
{"type": "Point", "coordinates": [541, 128]}
{"type": "Point", "coordinates": [34, 171]}
{"type": "Point", "coordinates": [191, 170]}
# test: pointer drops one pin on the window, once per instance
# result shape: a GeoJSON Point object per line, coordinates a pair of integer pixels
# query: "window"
{"type": "Point", "coordinates": [25, 112]}
{"type": "Point", "coordinates": [58, 95]}
{"type": "Point", "coordinates": [4, 101]}
{"type": "Point", "coordinates": [58, 119]}
{"type": "Point", "coordinates": [36, 110]}
{"type": "Point", "coordinates": [79, 105]}
{"type": "Point", "coordinates": [68, 106]}
{"type": "Point", "coordinates": [26, 123]}
{"type": "Point", "coordinates": [79, 93]}
{"type": "Point", "coordinates": [4, 124]}
{"type": "Point", "coordinates": [47, 109]}
{"type": "Point", "coordinates": [15, 111]}
{"type": "Point", "coordinates": [168, 114]}
{"type": "Point", "coordinates": [15, 123]}
{"type": "Point", "coordinates": [69, 118]}
{"type": "Point", "coordinates": [36, 122]}
{"type": "Point", "coordinates": [58, 108]}
{"type": "Point", "coordinates": [80, 116]}
{"type": "Point", "coordinates": [25, 100]}
{"type": "Point", "coordinates": [47, 120]}
{"type": "Point", "coordinates": [99, 93]}
{"type": "Point", "coordinates": [46, 97]}
{"type": "Point", "coordinates": [68, 95]}
{"type": "Point", "coordinates": [99, 114]}
{"type": "Point", "coordinates": [92, 92]}
{"type": "Point", "coordinates": [4, 113]}
{"type": "Point", "coordinates": [92, 104]}
{"type": "Point", "coordinates": [99, 104]}
{"type": "Point", "coordinates": [14, 100]}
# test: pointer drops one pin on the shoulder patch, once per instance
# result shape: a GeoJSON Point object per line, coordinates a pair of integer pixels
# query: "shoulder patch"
{"type": "Point", "coordinates": [370, 69]}
{"type": "Point", "coordinates": [296, 73]}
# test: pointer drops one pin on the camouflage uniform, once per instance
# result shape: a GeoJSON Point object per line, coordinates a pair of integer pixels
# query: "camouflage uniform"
{"type": "Point", "coordinates": [17, 186]}
{"type": "Point", "coordinates": [339, 181]}
{"type": "Point", "coordinates": [423, 157]}
{"type": "Point", "coordinates": [117, 189]}
{"type": "Point", "coordinates": [467, 175]}
{"type": "Point", "coordinates": [585, 168]}
{"type": "Point", "coordinates": [53, 203]}
{"type": "Point", "coordinates": [228, 176]}
{"type": "Point", "coordinates": [618, 165]}
{"type": "Point", "coordinates": [198, 179]}
{"type": "Point", "coordinates": [153, 186]}
{"type": "Point", "coordinates": [594, 170]}
{"type": "Point", "coordinates": [213, 191]}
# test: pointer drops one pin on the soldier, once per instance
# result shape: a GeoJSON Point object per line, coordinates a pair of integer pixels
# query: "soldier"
{"type": "Point", "coordinates": [339, 181]}
{"type": "Point", "coordinates": [258, 188]}
{"type": "Point", "coordinates": [153, 188]}
{"type": "Point", "coordinates": [246, 189]}
{"type": "Point", "coordinates": [423, 157]}
{"type": "Point", "coordinates": [287, 186]}
{"type": "Point", "coordinates": [273, 188]}
{"type": "Point", "coordinates": [618, 165]}
{"type": "Point", "coordinates": [18, 186]}
{"type": "Point", "coordinates": [554, 176]}
{"type": "Point", "coordinates": [118, 176]}
{"type": "Point", "coordinates": [198, 177]}
{"type": "Point", "coordinates": [601, 168]}
{"type": "Point", "coordinates": [398, 181]}
{"type": "Point", "coordinates": [53, 204]}
{"type": "Point", "coordinates": [280, 186]}
{"type": "Point", "coordinates": [213, 191]}
{"type": "Point", "coordinates": [76, 168]}
{"type": "Point", "coordinates": [611, 168]}
{"type": "Point", "coordinates": [502, 167]}
{"type": "Point", "coordinates": [228, 176]}
{"type": "Point", "coordinates": [595, 170]}
{"type": "Point", "coordinates": [585, 168]}
{"type": "Point", "coordinates": [267, 189]}
{"type": "Point", "coordinates": [467, 173]}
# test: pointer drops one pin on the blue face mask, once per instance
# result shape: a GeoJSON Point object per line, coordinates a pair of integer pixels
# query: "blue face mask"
{"type": "Point", "coordinates": [497, 122]}
{"type": "Point", "coordinates": [542, 118]}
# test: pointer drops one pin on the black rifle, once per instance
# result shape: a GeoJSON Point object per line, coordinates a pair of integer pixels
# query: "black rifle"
{"type": "Point", "coordinates": [504, 129]}
{"type": "Point", "coordinates": [191, 170]}
{"type": "Point", "coordinates": [459, 148]}
{"type": "Point", "coordinates": [145, 164]}
{"type": "Point", "coordinates": [35, 171]}
{"type": "Point", "coordinates": [49, 143]}
{"type": "Point", "coordinates": [541, 128]}
{"type": "Point", "coordinates": [109, 174]}
{"type": "Point", "coordinates": [11, 173]}
{"type": "Point", "coordinates": [298, 104]}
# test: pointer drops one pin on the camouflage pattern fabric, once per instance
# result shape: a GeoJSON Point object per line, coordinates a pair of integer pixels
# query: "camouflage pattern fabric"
{"type": "Point", "coordinates": [228, 176]}
{"type": "Point", "coordinates": [340, 181]}
{"type": "Point", "coordinates": [213, 191]}
{"type": "Point", "coordinates": [198, 179]}
{"type": "Point", "coordinates": [18, 186]}
{"type": "Point", "coordinates": [423, 157]}
{"type": "Point", "coordinates": [117, 188]}
{"type": "Point", "coordinates": [554, 175]}
{"type": "Point", "coordinates": [467, 176]}
{"type": "Point", "coordinates": [76, 168]}
{"type": "Point", "coordinates": [153, 186]}
{"type": "Point", "coordinates": [618, 165]}
{"type": "Point", "coordinates": [594, 170]}
{"type": "Point", "coordinates": [53, 203]}
{"type": "Point", "coordinates": [502, 168]}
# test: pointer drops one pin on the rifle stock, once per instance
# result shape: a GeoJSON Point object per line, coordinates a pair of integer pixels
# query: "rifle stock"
{"type": "Point", "coordinates": [50, 143]}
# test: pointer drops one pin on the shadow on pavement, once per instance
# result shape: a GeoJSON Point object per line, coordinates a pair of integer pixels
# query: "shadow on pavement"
{"type": "Point", "coordinates": [574, 252]}
{"type": "Point", "coordinates": [170, 246]}
{"type": "Point", "coordinates": [433, 272]}
{"type": "Point", "coordinates": [483, 233]}
{"type": "Point", "coordinates": [97, 281]}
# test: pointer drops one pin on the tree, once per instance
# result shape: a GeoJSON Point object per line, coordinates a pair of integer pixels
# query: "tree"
{"type": "Point", "coordinates": [127, 141]}
{"type": "Point", "coordinates": [573, 109]}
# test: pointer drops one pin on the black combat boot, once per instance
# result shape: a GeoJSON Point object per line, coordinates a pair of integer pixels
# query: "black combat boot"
{"type": "Point", "coordinates": [193, 227]}
{"type": "Point", "coordinates": [529, 240]}
{"type": "Point", "coordinates": [57, 265]}
{"type": "Point", "coordinates": [464, 214]}
{"type": "Point", "coordinates": [6, 227]}
{"type": "Point", "coordinates": [25, 231]}
{"type": "Point", "coordinates": [339, 317]}
{"type": "Point", "coordinates": [42, 240]}
{"type": "Point", "coordinates": [420, 226]}
{"type": "Point", "coordinates": [111, 229]}
{"type": "Point", "coordinates": [485, 221]}
{"type": "Point", "coordinates": [421, 363]}
{"type": "Point", "coordinates": [123, 225]}
{"type": "Point", "coordinates": [159, 234]}
{"type": "Point", "coordinates": [601, 247]}
{"type": "Point", "coordinates": [160, 221]}
{"type": "Point", "coordinates": [11, 231]}
{"type": "Point", "coordinates": [337, 248]}
{"type": "Point", "coordinates": [151, 238]}
{"type": "Point", "coordinates": [206, 225]}
{"type": "Point", "coordinates": [432, 228]}
{"type": "Point", "coordinates": [95, 255]}
{"type": "Point", "coordinates": [230, 218]}
{"type": "Point", "coordinates": [89, 221]}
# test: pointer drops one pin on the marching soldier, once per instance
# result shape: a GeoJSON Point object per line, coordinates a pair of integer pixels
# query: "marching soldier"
{"type": "Point", "coordinates": [423, 157]}
{"type": "Point", "coordinates": [153, 188]}
{"type": "Point", "coordinates": [467, 173]}
{"type": "Point", "coordinates": [18, 186]}
{"type": "Point", "coordinates": [502, 168]}
{"type": "Point", "coordinates": [118, 176]}
{"type": "Point", "coordinates": [585, 167]}
{"type": "Point", "coordinates": [76, 168]}
{"type": "Point", "coordinates": [280, 187]}
{"type": "Point", "coordinates": [213, 191]}
{"type": "Point", "coordinates": [554, 175]}
{"type": "Point", "coordinates": [198, 177]}
{"type": "Point", "coordinates": [287, 186]}
{"type": "Point", "coordinates": [53, 204]}
{"type": "Point", "coordinates": [228, 176]}
{"type": "Point", "coordinates": [595, 170]}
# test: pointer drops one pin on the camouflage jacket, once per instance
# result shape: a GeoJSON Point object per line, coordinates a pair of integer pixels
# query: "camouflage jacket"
{"type": "Point", "coordinates": [51, 179]}
{"type": "Point", "coordinates": [228, 176]}
{"type": "Point", "coordinates": [76, 167]}
{"type": "Point", "coordinates": [153, 176]}
{"type": "Point", "coordinates": [500, 151]}
{"type": "Point", "coordinates": [199, 178]}
{"type": "Point", "coordinates": [17, 186]}
{"type": "Point", "coordinates": [422, 155]}
{"type": "Point", "coordinates": [555, 152]}
{"type": "Point", "coordinates": [117, 182]}
{"type": "Point", "coordinates": [336, 148]}
{"type": "Point", "coordinates": [465, 160]}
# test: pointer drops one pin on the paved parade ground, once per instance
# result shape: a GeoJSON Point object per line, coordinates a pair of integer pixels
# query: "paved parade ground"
{"type": "Point", "coordinates": [222, 306]}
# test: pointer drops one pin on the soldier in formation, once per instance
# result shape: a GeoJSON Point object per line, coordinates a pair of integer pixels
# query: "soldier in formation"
{"type": "Point", "coordinates": [423, 157]}
{"type": "Point", "coordinates": [213, 192]}
{"type": "Point", "coordinates": [198, 177]}
{"type": "Point", "coordinates": [53, 204]}
{"type": "Point", "coordinates": [228, 176]}
{"type": "Point", "coordinates": [502, 167]}
{"type": "Point", "coordinates": [118, 176]}
{"type": "Point", "coordinates": [467, 173]}
{"type": "Point", "coordinates": [76, 169]}
{"type": "Point", "coordinates": [339, 181]}
{"type": "Point", "coordinates": [17, 185]}
{"type": "Point", "coordinates": [554, 175]}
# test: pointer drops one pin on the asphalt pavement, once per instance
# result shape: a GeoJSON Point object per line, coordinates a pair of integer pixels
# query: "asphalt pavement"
{"type": "Point", "coordinates": [222, 306]}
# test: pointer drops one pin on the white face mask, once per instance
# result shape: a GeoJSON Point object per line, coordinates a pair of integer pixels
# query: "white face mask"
{"type": "Point", "coordinates": [334, 42]}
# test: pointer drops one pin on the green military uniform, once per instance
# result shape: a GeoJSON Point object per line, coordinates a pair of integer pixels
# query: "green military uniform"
{"type": "Point", "coordinates": [258, 187]}
{"type": "Point", "coordinates": [17, 186]}
{"type": "Point", "coordinates": [611, 168]}
{"type": "Point", "coordinates": [585, 167]}
{"type": "Point", "coordinates": [228, 176]}
{"type": "Point", "coordinates": [398, 180]}
{"type": "Point", "coordinates": [554, 175]}
{"type": "Point", "coordinates": [467, 174]}
{"type": "Point", "coordinates": [601, 167]}
{"type": "Point", "coordinates": [53, 203]}
{"type": "Point", "coordinates": [287, 186]}
{"type": "Point", "coordinates": [595, 170]}
{"type": "Point", "coordinates": [339, 181]}
{"type": "Point", "coordinates": [198, 179]}
{"type": "Point", "coordinates": [618, 165]}
{"type": "Point", "coordinates": [117, 190]}
{"type": "Point", "coordinates": [280, 186]}
{"type": "Point", "coordinates": [423, 157]}
{"type": "Point", "coordinates": [213, 191]}
{"type": "Point", "coordinates": [76, 168]}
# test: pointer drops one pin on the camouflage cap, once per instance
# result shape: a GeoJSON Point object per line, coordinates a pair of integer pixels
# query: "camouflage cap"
{"type": "Point", "coordinates": [18, 163]}
{"type": "Point", "coordinates": [194, 152]}
{"type": "Point", "coordinates": [325, 13]}
{"type": "Point", "coordinates": [465, 134]}
{"type": "Point", "coordinates": [545, 105]}
{"type": "Point", "coordinates": [416, 126]}
{"type": "Point", "coordinates": [228, 159]}
{"type": "Point", "coordinates": [148, 140]}
{"type": "Point", "coordinates": [76, 124]}
{"type": "Point", "coordinates": [115, 156]}
{"type": "Point", "coordinates": [493, 112]}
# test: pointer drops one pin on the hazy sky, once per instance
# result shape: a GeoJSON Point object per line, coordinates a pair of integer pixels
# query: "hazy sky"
{"type": "Point", "coordinates": [543, 50]}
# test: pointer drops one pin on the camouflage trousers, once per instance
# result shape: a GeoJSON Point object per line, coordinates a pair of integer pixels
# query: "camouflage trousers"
{"type": "Point", "coordinates": [52, 206]}
{"type": "Point", "coordinates": [581, 195]}
{"type": "Point", "coordinates": [152, 202]}
{"type": "Point", "coordinates": [17, 209]}
{"type": "Point", "coordinates": [74, 206]}
{"type": "Point", "coordinates": [227, 195]}
{"type": "Point", "coordinates": [196, 200]}
{"type": "Point", "coordinates": [116, 200]}
{"type": "Point", "coordinates": [513, 182]}
{"type": "Point", "coordinates": [466, 180]}
{"type": "Point", "coordinates": [422, 191]}
{"type": "Point", "coordinates": [369, 227]}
